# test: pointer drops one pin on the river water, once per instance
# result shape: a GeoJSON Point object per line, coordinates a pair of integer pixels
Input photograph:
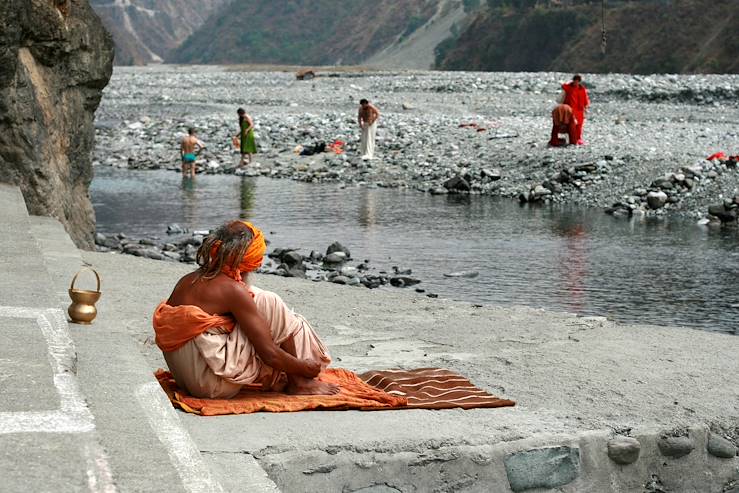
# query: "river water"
{"type": "Point", "coordinates": [663, 272]}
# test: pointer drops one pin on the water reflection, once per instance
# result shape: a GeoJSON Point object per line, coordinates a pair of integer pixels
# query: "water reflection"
{"type": "Point", "coordinates": [247, 195]}
{"type": "Point", "coordinates": [189, 199]}
{"type": "Point", "coordinates": [573, 260]}
{"type": "Point", "coordinates": [562, 258]}
{"type": "Point", "coordinates": [367, 208]}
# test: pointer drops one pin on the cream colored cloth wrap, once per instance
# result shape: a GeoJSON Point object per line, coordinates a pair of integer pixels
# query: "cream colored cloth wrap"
{"type": "Point", "coordinates": [216, 364]}
{"type": "Point", "coordinates": [367, 142]}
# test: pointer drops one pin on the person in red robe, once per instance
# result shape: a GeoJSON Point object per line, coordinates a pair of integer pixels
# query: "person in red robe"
{"type": "Point", "coordinates": [576, 96]}
{"type": "Point", "coordinates": [563, 122]}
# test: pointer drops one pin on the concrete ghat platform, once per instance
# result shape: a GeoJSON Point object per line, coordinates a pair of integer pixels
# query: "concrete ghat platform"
{"type": "Point", "coordinates": [584, 386]}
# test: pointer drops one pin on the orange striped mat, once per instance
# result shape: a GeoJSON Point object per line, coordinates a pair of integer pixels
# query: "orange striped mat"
{"type": "Point", "coordinates": [426, 388]}
{"type": "Point", "coordinates": [433, 388]}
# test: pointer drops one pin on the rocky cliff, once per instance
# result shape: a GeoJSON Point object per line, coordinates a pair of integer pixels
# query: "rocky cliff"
{"type": "Point", "coordinates": [55, 60]}
{"type": "Point", "coordinates": [315, 32]}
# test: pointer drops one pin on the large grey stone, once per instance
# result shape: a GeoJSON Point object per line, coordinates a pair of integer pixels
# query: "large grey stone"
{"type": "Point", "coordinates": [624, 450]}
{"type": "Point", "coordinates": [55, 60]}
{"type": "Point", "coordinates": [337, 247]}
{"type": "Point", "coordinates": [719, 446]}
{"type": "Point", "coordinates": [656, 200]}
{"type": "Point", "coordinates": [457, 184]}
{"type": "Point", "coordinates": [675, 447]}
{"type": "Point", "coordinates": [542, 468]}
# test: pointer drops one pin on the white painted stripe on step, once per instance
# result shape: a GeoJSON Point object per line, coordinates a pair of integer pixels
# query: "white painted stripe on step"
{"type": "Point", "coordinates": [73, 416]}
{"type": "Point", "coordinates": [43, 422]}
{"type": "Point", "coordinates": [99, 475]}
{"type": "Point", "coordinates": [183, 453]}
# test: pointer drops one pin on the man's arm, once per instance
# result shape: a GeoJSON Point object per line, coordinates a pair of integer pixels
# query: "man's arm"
{"type": "Point", "coordinates": [376, 113]}
{"type": "Point", "coordinates": [243, 308]}
{"type": "Point", "coordinates": [359, 118]}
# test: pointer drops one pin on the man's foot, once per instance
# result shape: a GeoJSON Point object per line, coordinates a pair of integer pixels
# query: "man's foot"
{"type": "Point", "coordinates": [310, 386]}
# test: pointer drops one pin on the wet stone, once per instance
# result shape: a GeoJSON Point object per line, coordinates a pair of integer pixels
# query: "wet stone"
{"type": "Point", "coordinates": [340, 280]}
{"type": "Point", "coordinates": [656, 200]}
{"type": "Point", "coordinates": [719, 446]}
{"type": "Point", "coordinates": [675, 447]}
{"type": "Point", "coordinates": [542, 468]}
{"type": "Point", "coordinates": [337, 247]}
{"type": "Point", "coordinates": [624, 450]}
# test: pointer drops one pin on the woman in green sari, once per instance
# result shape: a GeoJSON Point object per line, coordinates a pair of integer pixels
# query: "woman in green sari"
{"type": "Point", "coordinates": [246, 137]}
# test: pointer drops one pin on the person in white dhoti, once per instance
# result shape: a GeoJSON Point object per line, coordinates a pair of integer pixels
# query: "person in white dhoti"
{"type": "Point", "coordinates": [367, 119]}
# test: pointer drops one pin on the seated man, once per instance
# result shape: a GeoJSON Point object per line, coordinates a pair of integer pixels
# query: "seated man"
{"type": "Point", "coordinates": [563, 121]}
{"type": "Point", "coordinates": [217, 333]}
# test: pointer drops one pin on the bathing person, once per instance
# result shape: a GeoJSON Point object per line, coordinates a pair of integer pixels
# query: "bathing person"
{"type": "Point", "coordinates": [576, 97]}
{"type": "Point", "coordinates": [248, 145]}
{"type": "Point", "coordinates": [189, 150]}
{"type": "Point", "coordinates": [218, 333]}
{"type": "Point", "coordinates": [563, 122]}
{"type": "Point", "coordinates": [367, 119]}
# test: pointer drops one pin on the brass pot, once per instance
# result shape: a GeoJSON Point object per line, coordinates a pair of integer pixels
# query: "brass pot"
{"type": "Point", "coordinates": [82, 310]}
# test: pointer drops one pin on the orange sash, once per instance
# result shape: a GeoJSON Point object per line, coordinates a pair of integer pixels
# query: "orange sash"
{"type": "Point", "coordinates": [175, 326]}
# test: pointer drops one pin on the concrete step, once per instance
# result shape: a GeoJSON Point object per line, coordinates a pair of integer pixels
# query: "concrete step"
{"type": "Point", "coordinates": [147, 449]}
{"type": "Point", "coordinates": [47, 439]}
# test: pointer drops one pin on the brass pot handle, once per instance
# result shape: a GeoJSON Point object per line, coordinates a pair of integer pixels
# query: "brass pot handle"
{"type": "Point", "coordinates": [97, 276]}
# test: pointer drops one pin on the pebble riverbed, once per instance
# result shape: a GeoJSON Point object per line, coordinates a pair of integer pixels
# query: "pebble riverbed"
{"type": "Point", "coordinates": [641, 131]}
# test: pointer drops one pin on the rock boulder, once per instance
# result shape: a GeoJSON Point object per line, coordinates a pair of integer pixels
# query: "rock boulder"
{"type": "Point", "coordinates": [55, 60]}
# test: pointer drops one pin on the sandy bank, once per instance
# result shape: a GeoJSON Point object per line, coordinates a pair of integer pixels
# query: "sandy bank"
{"type": "Point", "coordinates": [572, 377]}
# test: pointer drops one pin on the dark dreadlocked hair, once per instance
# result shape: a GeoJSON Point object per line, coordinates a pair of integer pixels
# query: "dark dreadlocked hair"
{"type": "Point", "coordinates": [234, 238]}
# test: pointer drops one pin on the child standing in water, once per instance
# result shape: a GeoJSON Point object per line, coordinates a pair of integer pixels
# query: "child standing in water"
{"type": "Point", "coordinates": [247, 144]}
{"type": "Point", "coordinates": [190, 147]}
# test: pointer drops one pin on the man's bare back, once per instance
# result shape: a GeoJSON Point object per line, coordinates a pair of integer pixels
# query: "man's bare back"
{"type": "Point", "coordinates": [191, 144]}
{"type": "Point", "coordinates": [368, 115]}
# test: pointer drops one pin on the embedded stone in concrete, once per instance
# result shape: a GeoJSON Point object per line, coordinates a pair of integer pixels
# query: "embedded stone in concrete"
{"type": "Point", "coordinates": [719, 446]}
{"type": "Point", "coordinates": [675, 447]}
{"type": "Point", "coordinates": [542, 468]}
{"type": "Point", "coordinates": [624, 450]}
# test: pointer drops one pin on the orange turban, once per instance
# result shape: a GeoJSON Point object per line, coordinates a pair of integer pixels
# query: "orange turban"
{"type": "Point", "coordinates": [253, 257]}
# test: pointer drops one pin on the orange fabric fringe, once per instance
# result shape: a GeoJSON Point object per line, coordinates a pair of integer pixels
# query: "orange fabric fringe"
{"type": "Point", "coordinates": [355, 394]}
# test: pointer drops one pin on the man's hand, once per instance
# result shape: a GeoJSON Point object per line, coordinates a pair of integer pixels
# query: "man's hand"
{"type": "Point", "coordinates": [312, 368]}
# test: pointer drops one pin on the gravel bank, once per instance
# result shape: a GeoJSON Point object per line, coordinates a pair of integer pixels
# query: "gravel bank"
{"type": "Point", "coordinates": [641, 129]}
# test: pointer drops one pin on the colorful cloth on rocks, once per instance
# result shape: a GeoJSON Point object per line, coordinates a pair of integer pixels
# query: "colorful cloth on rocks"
{"type": "Point", "coordinates": [426, 388]}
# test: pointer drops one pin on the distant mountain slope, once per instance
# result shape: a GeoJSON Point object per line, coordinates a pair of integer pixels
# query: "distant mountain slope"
{"type": "Point", "coordinates": [146, 31]}
{"type": "Point", "coordinates": [309, 32]}
{"type": "Point", "coordinates": [668, 36]}
{"type": "Point", "coordinates": [418, 50]}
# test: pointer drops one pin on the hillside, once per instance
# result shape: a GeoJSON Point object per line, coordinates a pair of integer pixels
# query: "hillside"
{"type": "Point", "coordinates": [325, 32]}
{"type": "Point", "coordinates": [674, 36]}
{"type": "Point", "coordinates": [146, 31]}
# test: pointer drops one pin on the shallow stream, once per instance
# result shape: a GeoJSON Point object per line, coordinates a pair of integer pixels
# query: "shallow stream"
{"type": "Point", "coordinates": [663, 272]}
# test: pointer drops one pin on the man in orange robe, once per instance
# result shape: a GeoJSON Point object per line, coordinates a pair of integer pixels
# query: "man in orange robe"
{"type": "Point", "coordinates": [563, 121]}
{"type": "Point", "coordinates": [218, 334]}
{"type": "Point", "coordinates": [576, 97]}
